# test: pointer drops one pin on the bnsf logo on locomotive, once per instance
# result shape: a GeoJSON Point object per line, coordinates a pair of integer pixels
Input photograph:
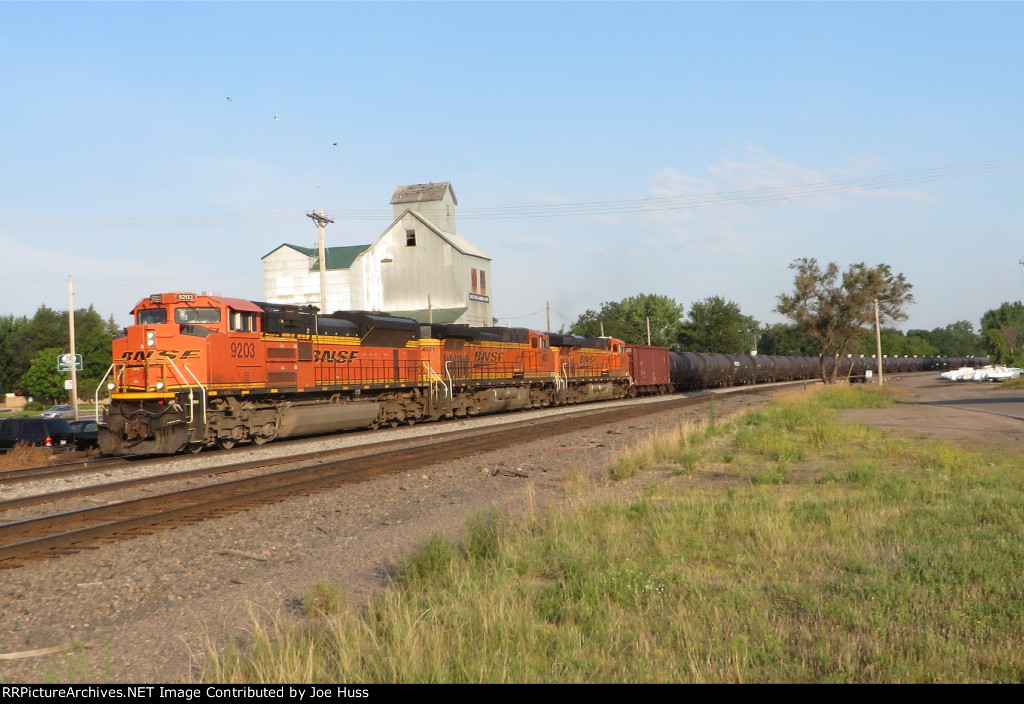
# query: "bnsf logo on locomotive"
{"type": "Point", "coordinates": [487, 357]}
{"type": "Point", "coordinates": [141, 356]}
{"type": "Point", "coordinates": [332, 357]}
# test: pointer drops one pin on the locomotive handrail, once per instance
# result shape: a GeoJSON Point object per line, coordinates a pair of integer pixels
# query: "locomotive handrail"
{"type": "Point", "coordinates": [191, 397]}
{"type": "Point", "coordinates": [436, 376]}
{"type": "Point", "coordinates": [96, 396]}
{"type": "Point", "coordinates": [562, 382]}
{"type": "Point", "coordinates": [439, 380]}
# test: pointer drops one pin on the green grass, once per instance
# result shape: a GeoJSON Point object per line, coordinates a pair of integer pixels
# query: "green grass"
{"type": "Point", "coordinates": [780, 547]}
{"type": "Point", "coordinates": [1015, 384]}
{"type": "Point", "coordinates": [85, 411]}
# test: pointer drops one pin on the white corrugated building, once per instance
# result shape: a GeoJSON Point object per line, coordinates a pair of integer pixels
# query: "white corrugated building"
{"type": "Point", "coordinates": [419, 267]}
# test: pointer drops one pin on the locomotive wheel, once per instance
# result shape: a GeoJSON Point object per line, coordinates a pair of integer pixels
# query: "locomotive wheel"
{"type": "Point", "coordinates": [260, 439]}
{"type": "Point", "coordinates": [225, 443]}
{"type": "Point", "coordinates": [194, 448]}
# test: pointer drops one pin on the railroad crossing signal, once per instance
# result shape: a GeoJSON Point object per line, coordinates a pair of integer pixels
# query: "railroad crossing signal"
{"type": "Point", "coordinates": [64, 362]}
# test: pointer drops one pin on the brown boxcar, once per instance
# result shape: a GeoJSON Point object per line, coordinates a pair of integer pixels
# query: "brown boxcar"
{"type": "Point", "coordinates": [649, 369]}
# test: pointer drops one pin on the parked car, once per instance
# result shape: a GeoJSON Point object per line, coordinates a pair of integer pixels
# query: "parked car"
{"type": "Point", "coordinates": [65, 412]}
{"type": "Point", "coordinates": [39, 432]}
{"type": "Point", "coordinates": [87, 433]}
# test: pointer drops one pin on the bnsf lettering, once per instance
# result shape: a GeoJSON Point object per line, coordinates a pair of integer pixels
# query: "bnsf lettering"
{"type": "Point", "coordinates": [335, 357]}
{"type": "Point", "coordinates": [158, 355]}
{"type": "Point", "coordinates": [487, 357]}
{"type": "Point", "coordinates": [588, 360]}
{"type": "Point", "coordinates": [243, 349]}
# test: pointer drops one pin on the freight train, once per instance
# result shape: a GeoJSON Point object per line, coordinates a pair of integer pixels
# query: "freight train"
{"type": "Point", "coordinates": [196, 371]}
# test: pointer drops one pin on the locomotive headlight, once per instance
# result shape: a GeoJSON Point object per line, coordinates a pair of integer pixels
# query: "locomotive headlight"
{"type": "Point", "coordinates": [150, 338]}
{"type": "Point", "coordinates": [111, 386]}
{"type": "Point", "coordinates": [159, 385]}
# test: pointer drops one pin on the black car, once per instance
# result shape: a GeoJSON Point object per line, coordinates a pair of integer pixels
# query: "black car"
{"type": "Point", "coordinates": [87, 433]}
{"type": "Point", "coordinates": [39, 432]}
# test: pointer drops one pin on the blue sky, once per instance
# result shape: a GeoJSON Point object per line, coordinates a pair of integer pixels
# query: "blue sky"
{"type": "Point", "coordinates": [126, 167]}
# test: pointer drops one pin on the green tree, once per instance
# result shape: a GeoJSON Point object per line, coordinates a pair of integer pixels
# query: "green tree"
{"type": "Point", "coordinates": [918, 346]}
{"type": "Point", "coordinates": [786, 340]}
{"type": "Point", "coordinates": [112, 329]}
{"type": "Point", "coordinates": [894, 344]}
{"type": "Point", "coordinates": [16, 352]}
{"type": "Point", "coordinates": [717, 325]}
{"type": "Point", "coordinates": [47, 328]}
{"type": "Point", "coordinates": [94, 346]}
{"type": "Point", "coordinates": [833, 308]}
{"type": "Point", "coordinates": [955, 340]}
{"type": "Point", "coordinates": [1003, 333]}
{"type": "Point", "coordinates": [93, 339]}
{"type": "Point", "coordinates": [22, 338]}
{"type": "Point", "coordinates": [42, 380]}
{"type": "Point", "coordinates": [627, 320]}
{"type": "Point", "coordinates": [9, 378]}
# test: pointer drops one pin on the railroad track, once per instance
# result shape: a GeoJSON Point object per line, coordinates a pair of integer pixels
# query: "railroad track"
{"type": "Point", "coordinates": [72, 530]}
{"type": "Point", "coordinates": [63, 469]}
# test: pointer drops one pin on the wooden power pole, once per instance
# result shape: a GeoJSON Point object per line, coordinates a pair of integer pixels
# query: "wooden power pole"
{"type": "Point", "coordinates": [321, 223]}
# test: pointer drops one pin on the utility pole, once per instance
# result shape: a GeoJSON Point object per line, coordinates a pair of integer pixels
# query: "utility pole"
{"type": "Point", "coordinates": [321, 223]}
{"type": "Point", "coordinates": [74, 357]}
{"type": "Point", "coordinates": [548, 306]}
{"type": "Point", "coordinates": [878, 344]}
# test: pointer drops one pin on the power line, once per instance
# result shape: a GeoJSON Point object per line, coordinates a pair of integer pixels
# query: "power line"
{"type": "Point", "coordinates": [216, 275]}
{"type": "Point", "coordinates": [590, 208]}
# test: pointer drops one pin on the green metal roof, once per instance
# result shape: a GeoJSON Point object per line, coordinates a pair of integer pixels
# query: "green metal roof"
{"type": "Point", "coordinates": [337, 257]}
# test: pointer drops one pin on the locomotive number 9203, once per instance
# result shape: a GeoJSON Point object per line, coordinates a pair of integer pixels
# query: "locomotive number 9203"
{"type": "Point", "coordinates": [243, 350]}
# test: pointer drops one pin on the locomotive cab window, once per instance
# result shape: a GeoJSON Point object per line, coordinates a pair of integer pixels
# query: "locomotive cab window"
{"type": "Point", "coordinates": [188, 316]}
{"type": "Point", "coordinates": [240, 321]}
{"type": "Point", "coordinates": [151, 316]}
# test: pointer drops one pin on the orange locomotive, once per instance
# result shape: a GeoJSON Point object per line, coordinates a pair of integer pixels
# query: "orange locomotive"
{"type": "Point", "coordinates": [197, 371]}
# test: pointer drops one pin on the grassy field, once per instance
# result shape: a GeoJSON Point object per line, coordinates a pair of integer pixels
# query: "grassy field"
{"type": "Point", "coordinates": [1012, 384]}
{"type": "Point", "coordinates": [779, 546]}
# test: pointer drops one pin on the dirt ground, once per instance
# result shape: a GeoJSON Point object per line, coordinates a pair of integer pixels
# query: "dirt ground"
{"type": "Point", "coordinates": [969, 413]}
{"type": "Point", "coordinates": [146, 610]}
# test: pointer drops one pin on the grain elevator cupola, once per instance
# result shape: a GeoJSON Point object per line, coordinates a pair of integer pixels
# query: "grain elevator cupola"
{"type": "Point", "coordinates": [434, 201]}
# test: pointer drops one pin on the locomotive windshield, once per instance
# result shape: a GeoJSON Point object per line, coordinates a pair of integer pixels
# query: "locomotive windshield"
{"type": "Point", "coordinates": [185, 316]}
{"type": "Point", "coordinates": [151, 316]}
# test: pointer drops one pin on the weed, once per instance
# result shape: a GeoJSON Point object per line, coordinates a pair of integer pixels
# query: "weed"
{"type": "Point", "coordinates": [485, 532]}
{"type": "Point", "coordinates": [323, 599]}
{"type": "Point", "coordinates": [432, 559]}
{"type": "Point", "coordinates": [23, 455]}
{"type": "Point", "coordinates": [624, 468]}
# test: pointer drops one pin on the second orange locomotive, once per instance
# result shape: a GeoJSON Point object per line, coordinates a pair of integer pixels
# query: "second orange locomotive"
{"type": "Point", "coordinates": [197, 371]}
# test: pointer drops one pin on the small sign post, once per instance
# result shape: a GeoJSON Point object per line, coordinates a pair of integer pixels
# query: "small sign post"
{"type": "Point", "coordinates": [64, 362]}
